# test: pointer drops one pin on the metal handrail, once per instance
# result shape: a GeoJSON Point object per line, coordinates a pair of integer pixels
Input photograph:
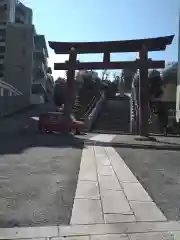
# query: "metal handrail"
{"type": "Point", "coordinates": [10, 87]}
{"type": "Point", "coordinates": [90, 106]}
{"type": "Point", "coordinates": [90, 103]}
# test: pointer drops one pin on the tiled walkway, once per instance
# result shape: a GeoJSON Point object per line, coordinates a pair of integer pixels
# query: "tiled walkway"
{"type": "Point", "coordinates": [109, 203]}
{"type": "Point", "coordinates": [108, 192]}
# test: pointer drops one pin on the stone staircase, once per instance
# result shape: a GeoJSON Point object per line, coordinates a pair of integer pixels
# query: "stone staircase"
{"type": "Point", "coordinates": [115, 116]}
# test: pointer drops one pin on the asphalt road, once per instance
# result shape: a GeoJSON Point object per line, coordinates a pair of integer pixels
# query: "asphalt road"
{"type": "Point", "coordinates": [38, 174]}
{"type": "Point", "coordinates": [158, 170]}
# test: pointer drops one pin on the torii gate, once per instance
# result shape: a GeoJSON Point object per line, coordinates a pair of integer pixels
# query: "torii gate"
{"type": "Point", "coordinates": [143, 64]}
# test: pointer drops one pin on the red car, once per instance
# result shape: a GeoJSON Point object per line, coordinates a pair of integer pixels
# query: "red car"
{"type": "Point", "coordinates": [55, 122]}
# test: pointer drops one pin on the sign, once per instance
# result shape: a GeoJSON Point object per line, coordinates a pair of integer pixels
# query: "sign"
{"type": "Point", "coordinates": [178, 80]}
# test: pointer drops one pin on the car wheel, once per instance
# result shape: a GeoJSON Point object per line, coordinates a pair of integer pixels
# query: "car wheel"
{"type": "Point", "coordinates": [42, 130]}
{"type": "Point", "coordinates": [77, 132]}
{"type": "Point", "coordinates": [74, 131]}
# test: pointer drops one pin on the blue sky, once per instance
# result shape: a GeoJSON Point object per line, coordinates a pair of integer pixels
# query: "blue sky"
{"type": "Point", "coordinates": [103, 20]}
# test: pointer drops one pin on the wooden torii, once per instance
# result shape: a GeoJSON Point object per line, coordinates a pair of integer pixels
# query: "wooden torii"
{"type": "Point", "coordinates": [142, 46]}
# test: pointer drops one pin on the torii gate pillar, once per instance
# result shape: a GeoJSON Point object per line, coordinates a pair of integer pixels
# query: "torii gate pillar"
{"type": "Point", "coordinates": [70, 89]}
{"type": "Point", "coordinates": [143, 93]}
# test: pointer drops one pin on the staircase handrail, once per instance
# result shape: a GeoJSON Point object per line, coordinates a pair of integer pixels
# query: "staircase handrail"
{"type": "Point", "coordinates": [90, 105]}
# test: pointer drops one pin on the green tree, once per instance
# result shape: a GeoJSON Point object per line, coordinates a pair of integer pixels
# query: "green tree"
{"type": "Point", "coordinates": [59, 92]}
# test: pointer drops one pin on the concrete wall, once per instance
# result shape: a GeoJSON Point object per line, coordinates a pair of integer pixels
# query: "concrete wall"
{"type": "Point", "coordinates": [18, 60]}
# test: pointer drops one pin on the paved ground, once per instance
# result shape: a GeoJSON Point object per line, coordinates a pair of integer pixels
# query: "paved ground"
{"type": "Point", "coordinates": [158, 170]}
{"type": "Point", "coordinates": [109, 204]}
{"type": "Point", "coordinates": [38, 174]}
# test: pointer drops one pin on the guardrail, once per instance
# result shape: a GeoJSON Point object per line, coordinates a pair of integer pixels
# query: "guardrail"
{"type": "Point", "coordinates": [90, 106]}
{"type": "Point", "coordinates": [91, 117]}
{"type": "Point", "coordinates": [11, 103]}
{"type": "Point", "coordinates": [9, 87]}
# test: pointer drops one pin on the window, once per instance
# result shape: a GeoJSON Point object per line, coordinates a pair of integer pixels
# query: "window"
{"type": "Point", "coordinates": [2, 92]}
{"type": "Point", "coordinates": [18, 20]}
{"type": "Point", "coordinates": [1, 67]}
{"type": "Point", "coordinates": [2, 32]}
{"type": "Point", "coordinates": [5, 6]}
{"type": "Point", "coordinates": [2, 49]}
{"type": "Point", "coordinates": [24, 52]}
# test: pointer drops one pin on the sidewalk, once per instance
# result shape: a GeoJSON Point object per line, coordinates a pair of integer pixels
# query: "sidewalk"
{"type": "Point", "coordinates": [109, 203]}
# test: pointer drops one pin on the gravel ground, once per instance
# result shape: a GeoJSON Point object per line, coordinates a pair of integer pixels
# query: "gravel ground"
{"type": "Point", "coordinates": [158, 170]}
{"type": "Point", "coordinates": [38, 174]}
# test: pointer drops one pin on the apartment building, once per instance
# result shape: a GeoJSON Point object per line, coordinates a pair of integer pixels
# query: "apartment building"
{"type": "Point", "coordinates": [16, 45]}
{"type": "Point", "coordinates": [17, 69]}
{"type": "Point", "coordinates": [23, 53]}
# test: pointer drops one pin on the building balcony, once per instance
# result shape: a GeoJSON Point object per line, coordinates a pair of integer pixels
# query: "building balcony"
{"type": "Point", "coordinates": [20, 17]}
{"type": "Point", "coordinates": [3, 24]}
{"type": "Point", "coordinates": [38, 88]}
{"type": "Point", "coordinates": [40, 55]}
{"type": "Point", "coordinates": [2, 44]}
{"type": "Point", "coordinates": [50, 82]}
{"type": "Point", "coordinates": [2, 3]}
{"type": "Point", "coordinates": [41, 81]}
{"type": "Point", "coordinates": [20, 20]}
{"type": "Point", "coordinates": [3, 18]}
{"type": "Point", "coordinates": [40, 69]}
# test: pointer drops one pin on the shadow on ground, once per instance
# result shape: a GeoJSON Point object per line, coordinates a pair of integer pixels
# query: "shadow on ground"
{"type": "Point", "coordinates": [159, 145]}
{"type": "Point", "coordinates": [16, 143]}
{"type": "Point", "coordinates": [38, 178]}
